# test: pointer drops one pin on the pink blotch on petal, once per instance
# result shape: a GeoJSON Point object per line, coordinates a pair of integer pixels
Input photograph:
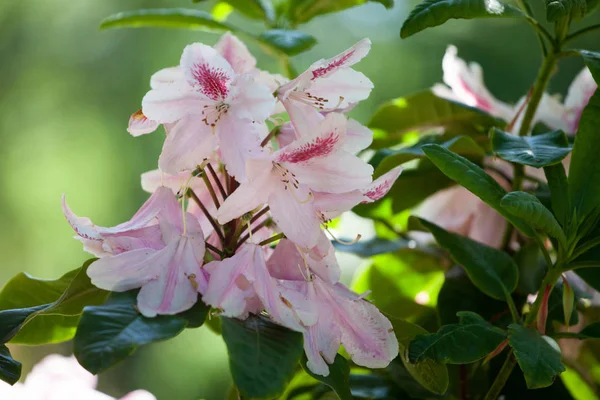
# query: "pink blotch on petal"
{"type": "Point", "coordinates": [319, 147]}
{"type": "Point", "coordinates": [211, 82]}
{"type": "Point", "coordinates": [382, 185]}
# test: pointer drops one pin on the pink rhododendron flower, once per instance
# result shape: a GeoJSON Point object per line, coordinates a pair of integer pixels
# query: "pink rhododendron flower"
{"type": "Point", "coordinates": [156, 251]}
{"type": "Point", "coordinates": [211, 104]}
{"type": "Point", "coordinates": [327, 85]}
{"type": "Point", "coordinates": [61, 378]}
{"type": "Point", "coordinates": [286, 178]}
{"type": "Point", "coordinates": [465, 85]}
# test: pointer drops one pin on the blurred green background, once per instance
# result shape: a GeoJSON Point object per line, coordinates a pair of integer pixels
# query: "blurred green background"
{"type": "Point", "coordinates": [67, 90]}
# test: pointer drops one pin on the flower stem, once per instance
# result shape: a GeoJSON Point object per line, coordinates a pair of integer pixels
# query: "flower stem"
{"type": "Point", "coordinates": [216, 179]}
{"type": "Point", "coordinates": [213, 195]}
{"type": "Point", "coordinates": [214, 249]}
{"type": "Point", "coordinates": [254, 230]}
{"type": "Point", "coordinates": [212, 221]}
{"type": "Point", "coordinates": [502, 377]}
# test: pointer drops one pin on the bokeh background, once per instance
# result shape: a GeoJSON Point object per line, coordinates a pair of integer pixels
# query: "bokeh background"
{"type": "Point", "coordinates": [67, 90]}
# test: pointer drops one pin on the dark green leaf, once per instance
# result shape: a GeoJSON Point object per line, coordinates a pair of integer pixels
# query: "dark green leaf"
{"type": "Point", "coordinates": [592, 61]}
{"type": "Point", "coordinates": [474, 179]}
{"type": "Point", "coordinates": [109, 333]}
{"type": "Point", "coordinates": [431, 375]}
{"type": "Point", "coordinates": [537, 355]}
{"type": "Point", "coordinates": [425, 111]}
{"type": "Point", "coordinates": [432, 13]}
{"type": "Point", "coordinates": [528, 208]}
{"type": "Point", "coordinates": [166, 18]}
{"type": "Point", "coordinates": [288, 41]}
{"type": "Point", "coordinates": [262, 355]}
{"type": "Point", "coordinates": [470, 340]}
{"type": "Point", "coordinates": [338, 378]}
{"type": "Point", "coordinates": [557, 9]}
{"type": "Point", "coordinates": [10, 369]}
{"type": "Point", "coordinates": [559, 192]}
{"type": "Point", "coordinates": [584, 171]}
{"type": "Point", "coordinates": [491, 270]}
{"type": "Point", "coordinates": [532, 268]}
{"type": "Point", "coordinates": [536, 151]}
{"type": "Point", "coordinates": [37, 311]}
{"type": "Point", "coordinates": [385, 160]}
{"type": "Point", "coordinates": [592, 331]}
{"type": "Point", "coordinates": [555, 308]}
{"type": "Point", "coordinates": [301, 11]}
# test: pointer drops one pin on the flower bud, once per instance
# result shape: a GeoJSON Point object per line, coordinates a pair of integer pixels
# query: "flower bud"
{"type": "Point", "coordinates": [568, 301]}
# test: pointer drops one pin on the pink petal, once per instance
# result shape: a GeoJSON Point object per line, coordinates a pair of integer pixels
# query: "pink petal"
{"type": "Point", "coordinates": [139, 395]}
{"type": "Point", "coordinates": [148, 237]}
{"type": "Point", "coordinates": [251, 100]}
{"type": "Point", "coordinates": [156, 178]}
{"type": "Point", "coordinates": [207, 72]}
{"type": "Point", "coordinates": [341, 89]}
{"type": "Point", "coordinates": [226, 289]}
{"type": "Point", "coordinates": [176, 288]}
{"type": "Point", "coordinates": [358, 137]}
{"type": "Point", "coordinates": [286, 262]}
{"type": "Point", "coordinates": [166, 77]}
{"type": "Point", "coordinates": [129, 270]}
{"type": "Point", "coordinates": [236, 53]}
{"type": "Point", "coordinates": [339, 173]}
{"type": "Point", "coordinates": [140, 125]}
{"type": "Point", "coordinates": [354, 54]}
{"type": "Point", "coordinates": [293, 212]}
{"type": "Point", "coordinates": [322, 260]}
{"type": "Point", "coordinates": [239, 141]}
{"type": "Point", "coordinates": [55, 370]}
{"type": "Point", "coordinates": [305, 118]}
{"type": "Point", "coordinates": [170, 103]}
{"type": "Point", "coordinates": [381, 186]}
{"type": "Point", "coordinates": [188, 144]}
{"type": "Point", "coordinates": [326, 140]}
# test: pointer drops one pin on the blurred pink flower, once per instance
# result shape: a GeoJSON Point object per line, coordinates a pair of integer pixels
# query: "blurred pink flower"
{"type": "Point", "coordinates": [61, 378]}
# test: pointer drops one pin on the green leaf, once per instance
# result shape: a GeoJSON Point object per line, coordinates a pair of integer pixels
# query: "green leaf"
{"type": "Point", "coordinates": [301, 11]}
{"type": "Point", "coordinates": [559, 192]}
{"type": "Point", "coordinates": [592, 331]}
{"type": "Point", "coordinates": [255, 9]}
{"type": "Point", "coordinates": [385, 160]}
{"type": "Point", "coordinates": [491, 270]}
{"type": "Point", "coordinates": [338, 378]}
{"type": "Point", "coordinates": [262, 355]}
{"type": "Point", "coordinates": [532, 268]}
{"type": "Point", "coordinates": [536, 151]}
{"type": "Point", "coordinates": [592, 61]}
{"type": "Point", "coordinates": [470, 340]}
{"type": "Point", "coordinates": [537, 355]}
{"type": "Point", "coordinates": [556, 310]}
{"type": "Point", "coordinates": [109, 333]}
{"type": "Point", "coordinates": [432, 13]}
{"type": "Point", "coordinates": [474, 179]}
{"type": "Point", "coordinates": [425, 111]}
{"type": "Point", "coordinates": [166, 18]}
{"type": "Point", "coordinates": [557, 9]}
{"type": "Point", "coordinates": [584, 171]}
{"type": "Point", "coordinates": [432, 375]}
{"type": "Point", "coordinates": [288, 41]}
{"type": "Point", "coordinates": [528, 208]}
{"type": "Point", "coordinates": [10, 369]}
{"type": "Point", "coordinates": [372, 247]}
{"type": "Point", "coordinates": [37, 311]}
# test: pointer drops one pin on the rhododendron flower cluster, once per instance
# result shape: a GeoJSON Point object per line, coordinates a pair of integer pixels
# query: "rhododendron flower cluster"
{"type": "Point", "coordinates": [458, 210]}
{"type": "Point", "coordinates": [240, 204]}
{"type": "Point", "coordinates": [61, 378]}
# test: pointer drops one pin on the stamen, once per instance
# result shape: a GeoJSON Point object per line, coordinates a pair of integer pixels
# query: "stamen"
{"type": "Point", "coordinates": [308, 276]}
{"type": "Point", "coordinates": [340, 241]}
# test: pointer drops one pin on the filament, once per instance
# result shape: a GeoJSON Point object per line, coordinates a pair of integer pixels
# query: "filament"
{"type": "Point", "coordinates": [340, 241]}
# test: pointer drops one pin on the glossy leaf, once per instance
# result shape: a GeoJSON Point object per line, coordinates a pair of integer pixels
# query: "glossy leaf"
{"type": "Point", "coordinates": [338, 378]}
{"type": "Point", "coordinates": [301, 11]}
{"type": "Point", "coordinates": [255, 9]}
{"type": "Point", "coordinates": [10, 369]}
{"type": "Point", "coordinates": [288, 41]}
{"type": "Point", "coordinates": [536, 151]}
{"type": "Point", "coordinates": [166, 18]}
{"type": "Point", "coordinates": [432, 13]}
{"type": "Point", "coordinates": [425, 111]}
{"type": "Point", "coordinates": [262, 355]}
{"type": "Point", "coordinates": [592, 61]}
{"type": "Point", "coordinates": [470, 340]}
{"type": "Point", "coordinates": [537, 355]}
{"type": "Point", "coordinates": [491, 270]}
{"type": "Point", "coordinates": [532, 268]}
{"type": "Point", "coordinates": [528, 208]}
{"type": "Point", "coordinates": [109, 333]}
{"type": "Point", "coordinates": [385, 160]}
{"type": "Point", "coordinates": [584, 171]}
{"type": "Point", "coordinates": [37, 311]}
{"type": "Point", "coordinates": [559, 192]}
{"type": "Point", "coordinates": [474, 179]}
{"type": "Point", "coordinates": [432, 375]}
